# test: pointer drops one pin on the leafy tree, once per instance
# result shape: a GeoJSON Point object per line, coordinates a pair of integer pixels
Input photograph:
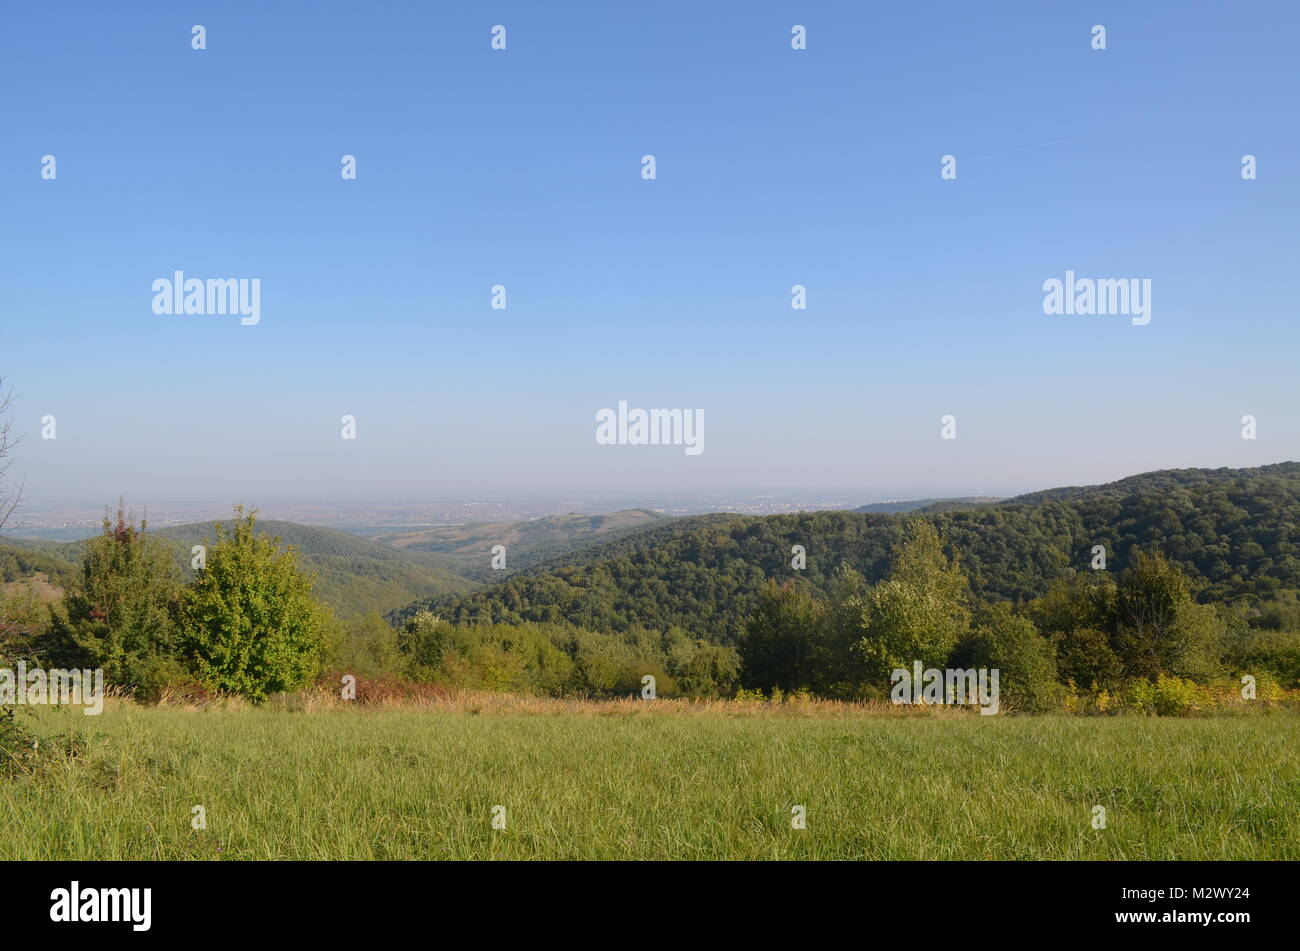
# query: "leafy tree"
{"type": "Point", "coordinates": [919, 612]}
{"type": "Point", "coordinates": [248, 621]}
{"type": "Point", "coordinates": [782, 641]}
{"type": "Point", "coordinates": [1077, 614]}
{"type": "Point", "coordinates": [700, 669]}
{"type": "Point", "coordinates": [365, 646]}
{"type": "Point", "coordinates": [1084, 657]}
{"type": "Point", "coordinates": [118, 615]}
{"type": "Point", "coordinates": [1024, 659]}
{"type": "Point", "coordinates": [1158, 627]}
{"type": "Point", "coordinates": [1274, 652]}
{"type": "Point", "coordinates": [844, 670]}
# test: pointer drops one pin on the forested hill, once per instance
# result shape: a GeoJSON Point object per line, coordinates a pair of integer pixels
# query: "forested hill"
{"type": "Point", "coordinates": [1236, 532]}
{"type": "Point", "coordinates": [353, 576]}
{"type": "Point", "coordinates": [467, 548]}
{"type": "Point", "coordinates": [912, 505]}
{"type": "Point", "coordinates": [1161, 480]}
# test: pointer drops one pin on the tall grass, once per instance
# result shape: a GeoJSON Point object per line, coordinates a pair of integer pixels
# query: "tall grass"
{"type": "Point", "coordinates": [641, 780]}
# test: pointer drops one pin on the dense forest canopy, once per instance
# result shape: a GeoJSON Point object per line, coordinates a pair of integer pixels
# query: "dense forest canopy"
{"type": "Point", "coordinates": [1234, 532]}
{"type": "Point", "coordinates": [1153, 593]}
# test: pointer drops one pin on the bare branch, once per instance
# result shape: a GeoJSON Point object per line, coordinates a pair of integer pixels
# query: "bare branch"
{"type": "Point", "coordinates": [10, 497]}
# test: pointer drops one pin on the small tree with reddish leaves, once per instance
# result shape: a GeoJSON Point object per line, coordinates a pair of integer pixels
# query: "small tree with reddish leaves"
{"type": "Point", "coordinates": [120, 615]}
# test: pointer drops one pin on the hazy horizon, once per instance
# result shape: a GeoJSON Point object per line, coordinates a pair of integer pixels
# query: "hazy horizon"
{"type": "Point", "coordinates": [73, 519]}
{"type": "Point", "coordinates": [522, 168]}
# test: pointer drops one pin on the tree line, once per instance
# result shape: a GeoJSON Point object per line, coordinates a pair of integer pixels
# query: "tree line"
{"type": "Point", "coordinates": [248, 623]}
{"type": "Point", "coordinates": [1234, 534]}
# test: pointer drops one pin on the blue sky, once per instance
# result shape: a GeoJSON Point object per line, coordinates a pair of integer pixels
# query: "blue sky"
{"type": "Point", "coordinates": [522, 167]}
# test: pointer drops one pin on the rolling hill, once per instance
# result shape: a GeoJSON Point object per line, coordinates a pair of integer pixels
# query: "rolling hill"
{"type": "Point", "coordinates": [467, 548]}
{"type": "Point", "coordinates": [353, 576]}
{"type": "Point", "coordinates": [1236, 532]}
{"type": "Point", "coordinates": [915, 505]}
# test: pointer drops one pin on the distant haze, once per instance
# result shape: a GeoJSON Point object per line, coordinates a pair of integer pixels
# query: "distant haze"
{"type": "Point", "coordinates": [523, 169]}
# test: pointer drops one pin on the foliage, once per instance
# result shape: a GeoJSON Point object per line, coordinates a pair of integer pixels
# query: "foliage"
{"type": "Point", "coordinates": [1276, 652]}
{"type": "Point", "coordinates": [1096, 631]}
{"type": "Point", "coordinates": [1234, 533]}
{"type": "Point", "coordinates": [1158, 628]}
{"type": "Point", "coordinates": [119, 614]}
{"type": "Point", "coordinates": [1076, 614]}
{"type": "Point", "coordinates": [561, 660]}
{"type": "Point", "coordinates": [365, 647]}
{"type": "Point", "coordinates": [248, 621]}
{"type": "Point", "coordinates": [18, 744]}
{"type": "Point", "coordinates": [918, 612]}
{"type": "Point", "coordinates": [1024, 659]}
{"type": "Point", "coordinates": [783, 643]}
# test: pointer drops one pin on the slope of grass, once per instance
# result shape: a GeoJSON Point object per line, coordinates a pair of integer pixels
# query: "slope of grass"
{"type": "Point", "coordinates": [410, 783]}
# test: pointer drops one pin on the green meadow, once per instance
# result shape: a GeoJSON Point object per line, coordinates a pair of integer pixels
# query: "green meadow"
{"type": "Point", "coordinates": [625, 781]}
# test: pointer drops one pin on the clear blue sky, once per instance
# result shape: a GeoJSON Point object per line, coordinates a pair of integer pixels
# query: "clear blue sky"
{"type": "Point", "coordinates": [522, 167]}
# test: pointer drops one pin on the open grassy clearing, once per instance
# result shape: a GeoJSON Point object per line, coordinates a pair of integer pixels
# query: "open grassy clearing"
{"type": "Point", "coordinates": [412, 782]}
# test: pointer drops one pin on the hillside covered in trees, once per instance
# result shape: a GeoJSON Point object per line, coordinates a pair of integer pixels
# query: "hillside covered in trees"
{"type": "Point", "coordinates": [1235, 533]}
{"type": "Point", "coordinates": [467, 548]}
{"type": "Point", "coordinates": [1197, 590]}
{"type": "Point", "coordinates": [353, 576]}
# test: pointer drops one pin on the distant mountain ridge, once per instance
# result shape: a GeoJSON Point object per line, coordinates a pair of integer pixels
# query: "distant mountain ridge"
{"type": "Point", "coordinates": [356, 575]}
{"type": "Point", "coordinates": [1158, 480]}
{"type": "Point", "coordinates": [468, 547]}
{"type": "Point", "coordinates": [1233, 530]}
{"type": "Point", "coordinates": [917, 505]}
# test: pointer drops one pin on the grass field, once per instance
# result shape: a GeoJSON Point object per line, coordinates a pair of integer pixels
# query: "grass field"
{"type": "Point", "coordinates": [576, 783]}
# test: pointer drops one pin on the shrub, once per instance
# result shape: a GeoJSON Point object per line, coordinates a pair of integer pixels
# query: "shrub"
{"type": "Point", "coordinates": [1024, 658]}
{"type": "Point", "coordinates": [919, 612]}
{"type": "Point", "coordinates": [118, 615]}
{"type": "Point", "coordinates": [1173, 696]}
{"type": "Point", "coordinates": [18, 745]}
{"type": "Point", "coordinates": [780, 646]}
{"type": "Point", "coordinates": [365, 646]}
{"type": "Point", "coordinates": [1277, 652]}
{"type": "Point", "coordinates": [1158, 628]}
{"type": "Point", "coordinates": [248, 622]}
{"type": "Point", "coordinates": [1139, 695]}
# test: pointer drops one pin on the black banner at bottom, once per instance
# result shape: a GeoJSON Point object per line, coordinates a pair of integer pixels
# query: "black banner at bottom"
{"type": "Point", "coordinates": [942, 899]}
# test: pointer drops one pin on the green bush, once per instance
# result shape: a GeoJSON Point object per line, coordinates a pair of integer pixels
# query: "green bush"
{"type": "Point", "coordinates": [1157, 626]}
{"type": "Point", "coordinates": [1174, 696]}
{"type": "Point", "coordinates": [781, 646]}
{"type": "Point", "coordinates": [1277, 652]}
{"type": "Point", "coordinates": [1138, 695]}
{"type": "Point", "coordinates": [919, 612]}
{"type": "Point", "coordinates": [561, 660]}
{"type": "Point", "coordinates": [18, 745]}
{"type": "Point", "coordinates": [365, 646]}
{"type": "Point", "coordinates": [1024, 658]}
{"type": "Point", "coordinates": [248, 622]}
{"type": "Point", "coordinates": [119, 614]}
